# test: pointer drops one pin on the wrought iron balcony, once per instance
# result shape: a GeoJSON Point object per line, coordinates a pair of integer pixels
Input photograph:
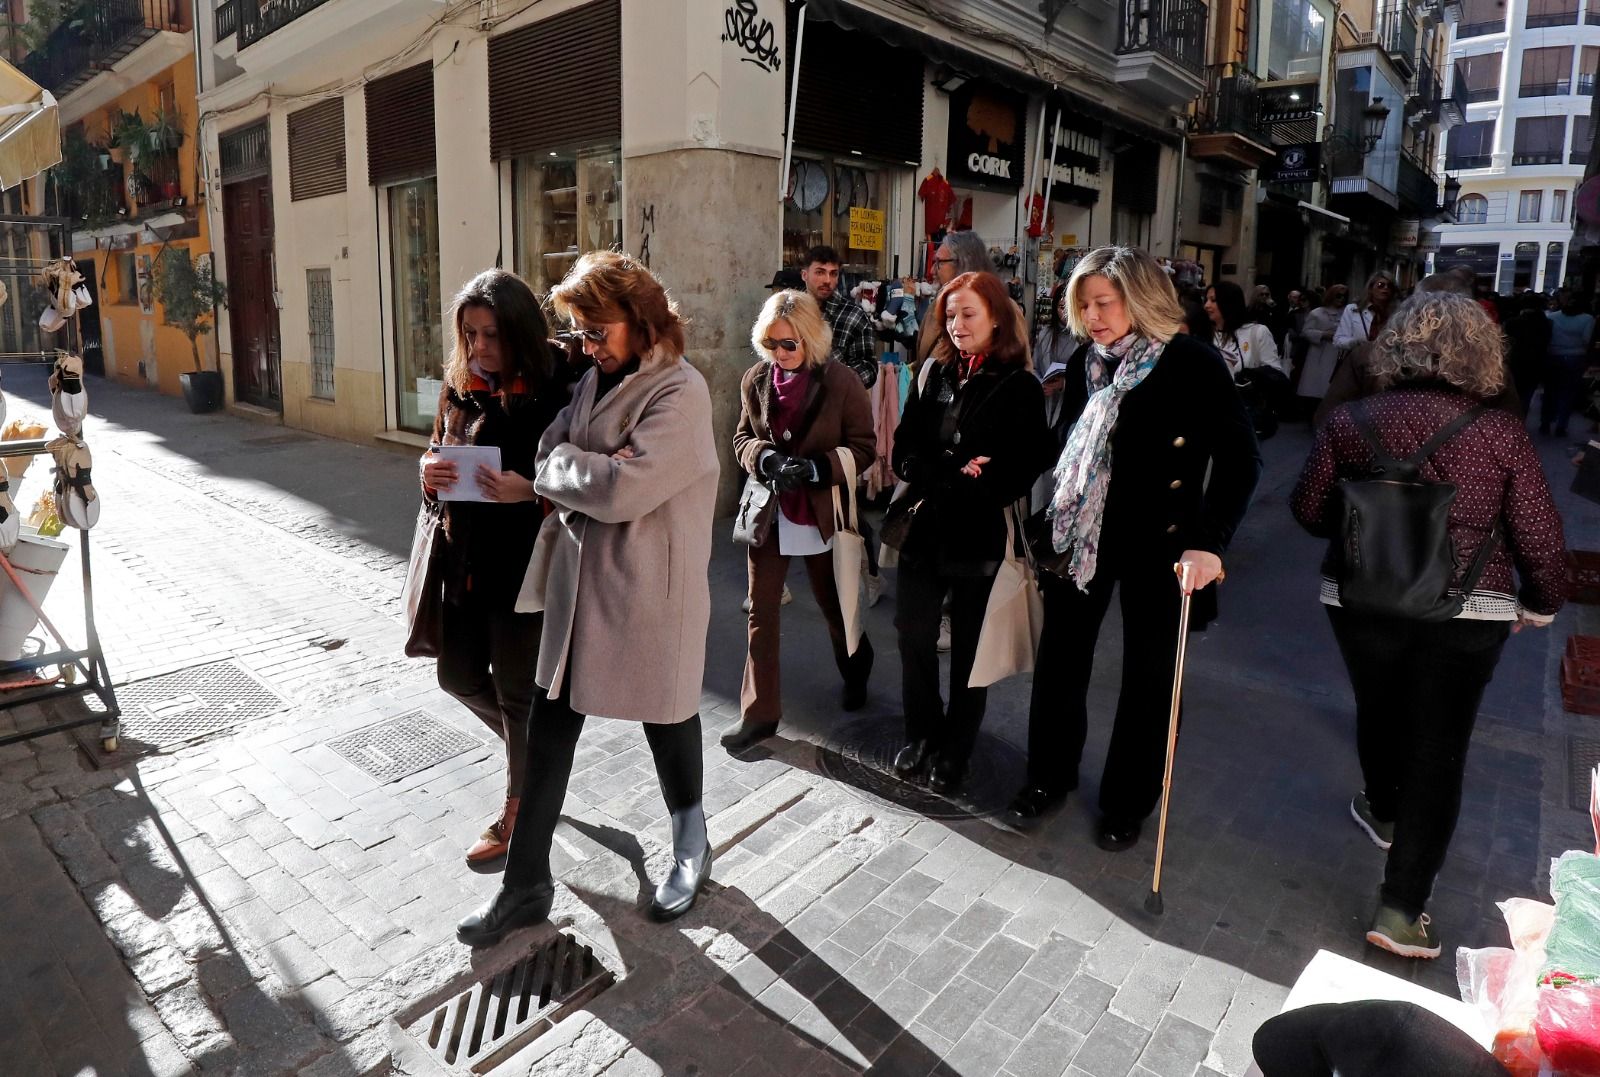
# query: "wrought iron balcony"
{"type": "Point", "coordinates": [1453, 106]}
{"type": "Point", "coordinates": [1424, 95]}
{"type": "Point", "coordinates": [96, 35]}
{"type": "Point", "coordinates": [256, 22]}
{"type": "Point", "coordinates": [227, 19]}
{"type": "Point", "coordinates": [1567, 17]}
{"type": "Point", "coordinates": [1480, 29]}
{"type": "Point", "coordinates": [1455, 162]}
{"type": "Point", "coordinates": [1558, 88]}
{"type": "Point", "coordinates": [1586, 83]}
{"type": "Point", "coordinates": [1397, 33]}
{"type": "Point", "coordinates": [1175, 29]}
{"type": "Point", "coordinates": [1225, 125]}
{"type": "Point", "coordinates": [1418, 187]}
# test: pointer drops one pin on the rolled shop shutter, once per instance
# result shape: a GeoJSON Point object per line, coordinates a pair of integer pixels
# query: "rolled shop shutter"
{"type": "Point", "coordinates": [316, 150]}
{"type": "Point", "coordinates": [857, 94]}
{"type": "Point", "coordinates": [400, 140]}
{"type": "Point", "coordinates": [557, 83]}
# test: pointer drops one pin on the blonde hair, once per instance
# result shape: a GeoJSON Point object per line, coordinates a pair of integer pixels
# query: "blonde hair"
{"type": "Point", "coordinates": [1146, 291]}
{"type": "Point", "coordinates": [605, 287]}
{"type": "Point", "coordinates": [1441, 335]}
{"type": "Point", "coordinates": [804, 315]}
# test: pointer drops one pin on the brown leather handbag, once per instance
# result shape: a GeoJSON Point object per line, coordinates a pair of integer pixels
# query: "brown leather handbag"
{"type": "Point", "coordinates": [424, 589]}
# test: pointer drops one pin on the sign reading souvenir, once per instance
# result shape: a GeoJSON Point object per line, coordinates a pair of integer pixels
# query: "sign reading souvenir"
{"type": "Point", "coordinates": [1297, 163]}
{"type": "Point", "coordinates": [988, 134]}
{"type": "Point", "coordinates": [866, 229]}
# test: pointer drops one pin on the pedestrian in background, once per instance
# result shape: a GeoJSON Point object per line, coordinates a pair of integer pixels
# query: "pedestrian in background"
{"type": "Point", "coordinates": [1359, 326]}
{"type": "Point", "coordinates": [1571, 336]}
{"type": "Point", "coordinates": [970, 443]}
{"type": "Point", "coordinates": [620, 572]}
{"type": "Point", "coordinates": [502, 387]}
{"type": "Point", "coordinates": [1528, 334]}
{"type": "Point", "coordinates": [1153, 411]}
{"type": "Point", "coordinates": [797, 406]}
{"type": "Point", "coordinates": [1322, 354]}
{"type": "Point", "coordinates": [1418, 683]}
{"type": "Point", "coordinates": [1246, 343]}
{"type": "Point", "coordinates": [855, 338]}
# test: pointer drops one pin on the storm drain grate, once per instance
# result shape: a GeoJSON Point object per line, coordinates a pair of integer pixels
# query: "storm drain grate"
{"type": "Point", "coordinates": [860, 755]}
{"type": "Point", "coordinates": [494, 1018]}
{"type": "Point", "coordinates": [1583, 755]}
{"type": "Point", "coordinates": [399, 747]}
{"type": "Point", "coordinates": [194, 702]}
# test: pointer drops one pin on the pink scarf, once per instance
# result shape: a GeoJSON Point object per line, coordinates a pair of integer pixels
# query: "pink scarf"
{"type": "Point", "coordinates": [791, 388]}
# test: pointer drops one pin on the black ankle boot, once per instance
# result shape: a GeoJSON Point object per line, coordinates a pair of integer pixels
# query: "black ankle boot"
{"type": "Point", "coordinates": [748, 733]}
{"type": "Point", "coordinates": [855, 682]}
{"type": "Point", "coordinates": [691, 865]}
{"type": "Point", "coordinates": [909, 760]}
{"type": "Point", "coordinates": [947, 776]}
{"type": "Point", "coordinates": [510, 908]}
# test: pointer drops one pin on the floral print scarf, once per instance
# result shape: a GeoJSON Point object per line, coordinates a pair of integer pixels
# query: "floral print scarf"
{"type": "Point", "coordinates": [1083, 474]}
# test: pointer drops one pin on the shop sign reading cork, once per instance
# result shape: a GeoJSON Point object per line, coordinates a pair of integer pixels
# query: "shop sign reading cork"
{"type": "Point", "coordinates": [866, 229]}
{"type": "Point", "coordinates": [988, 133]}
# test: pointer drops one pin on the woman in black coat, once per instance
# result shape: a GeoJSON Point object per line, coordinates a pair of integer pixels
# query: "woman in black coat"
{"type": "Point", "coordinates": [971, 441]}
{"type": "Point", "coordinates": [503, 386]}
{"type": "Point", "coordinates": [1153, 410]}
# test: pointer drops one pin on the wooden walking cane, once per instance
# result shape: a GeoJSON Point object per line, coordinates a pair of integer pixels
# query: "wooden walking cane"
{"type": "Point", "coordinates": [1152, 904]}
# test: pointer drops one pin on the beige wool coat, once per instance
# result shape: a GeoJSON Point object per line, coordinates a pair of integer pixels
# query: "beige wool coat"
{"type": "Point", "coordinates": [620, 568]}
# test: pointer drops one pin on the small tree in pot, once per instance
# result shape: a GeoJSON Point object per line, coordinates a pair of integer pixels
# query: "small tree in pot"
{"type": "Point", "coordinates": [189, 296]}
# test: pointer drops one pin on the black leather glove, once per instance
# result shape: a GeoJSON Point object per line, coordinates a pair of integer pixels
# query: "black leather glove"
{"type": "Point", "coordinates": [785, 473]}
{"type": "Point", "coordinates": [821, 472]}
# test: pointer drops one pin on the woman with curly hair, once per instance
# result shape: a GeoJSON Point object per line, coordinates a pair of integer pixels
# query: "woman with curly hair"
{"type": "Point", "coordinates": [1418, 683]}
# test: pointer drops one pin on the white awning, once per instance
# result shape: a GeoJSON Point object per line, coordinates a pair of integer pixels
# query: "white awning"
{"type": "Point", "coordinates": [30, 130]}
{"type": "Point", "coordinates": [1337, 218]}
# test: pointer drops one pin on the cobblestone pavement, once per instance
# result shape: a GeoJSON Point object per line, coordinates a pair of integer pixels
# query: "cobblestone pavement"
{"type": "Point", "coordinates": [251, 902]}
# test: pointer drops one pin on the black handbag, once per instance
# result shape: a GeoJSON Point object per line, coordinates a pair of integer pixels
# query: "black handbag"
{"type": "Point", "coordinates": [898, 518]}
{"type": "Point", "coordinates": [757, 504]}
{"type": "Point", "coordinates": [1394, 557]}
{"type": "Point", "coordinates": [424, 588]}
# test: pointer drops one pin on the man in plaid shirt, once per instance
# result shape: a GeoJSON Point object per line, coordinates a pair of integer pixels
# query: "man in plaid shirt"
{"type": "Point", "coordinates": [855, 338]}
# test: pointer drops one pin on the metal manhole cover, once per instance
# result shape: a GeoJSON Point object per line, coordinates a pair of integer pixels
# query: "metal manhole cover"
{"type": "Point", "coordinates": [1583, 755]}
{"type": "Point", "coordinates": [399, 747]}
{"type": "Point", "coordinates": [860, 754]}
{"type": "Point", "coordinates": [494, 1018]}
{"type": "Point", "coordinates": [194, 702]}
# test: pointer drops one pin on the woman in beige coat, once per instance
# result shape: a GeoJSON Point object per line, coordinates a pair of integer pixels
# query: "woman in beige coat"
{"type": "Point", "coordinates": [620, 572]}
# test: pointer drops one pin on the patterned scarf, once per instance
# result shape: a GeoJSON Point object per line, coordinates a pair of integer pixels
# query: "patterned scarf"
{"type": "Point", "coordinates": [1083, 474]}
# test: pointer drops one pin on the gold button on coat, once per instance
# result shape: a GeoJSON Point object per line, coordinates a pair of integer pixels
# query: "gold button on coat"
{"type": "Point", "coordinates": [1172, 529]}
{"type": "Point", "coordinates": [1177, 443]}
{"type": "Point", "coordinates": [1175, 483]}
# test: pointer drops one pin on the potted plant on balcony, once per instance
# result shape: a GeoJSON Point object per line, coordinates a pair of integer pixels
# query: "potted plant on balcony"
{"type": "Point", "coordinates": [189, 296]}
{"type": "Point", "coordinates": [128, 132]}
{"type": "Point", "coordinates": [166, 131]}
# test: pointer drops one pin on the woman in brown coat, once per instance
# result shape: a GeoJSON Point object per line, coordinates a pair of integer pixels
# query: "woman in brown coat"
{"type": "Point", "coordinates": [620, 571]}
{"type": "Point", "coordinates": [798, 407]}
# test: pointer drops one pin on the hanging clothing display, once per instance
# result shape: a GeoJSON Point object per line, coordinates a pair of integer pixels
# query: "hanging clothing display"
{"type": "Point", "coordinates": [937, 196]}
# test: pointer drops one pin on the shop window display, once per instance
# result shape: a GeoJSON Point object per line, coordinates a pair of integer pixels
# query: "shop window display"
{"type": "Point", "coordinates": [565, 205]}
{"type": "Point", "coordinates": [817, 208]}
{"type": "Point", "coordinates": [418, 312]}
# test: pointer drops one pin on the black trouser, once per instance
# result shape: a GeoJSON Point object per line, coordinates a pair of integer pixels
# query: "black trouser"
{"type": "Point", "coordinates": [1368, 1039]}
{"type": "Point", "coordinates": [487, 662]}
{"type": "Point", "coordinates": [1563, 390]}
{"type": "Point", "coordinates": [552, 743]}
{"type": "Point", "coordinates": [919, 603]}
{"type": "Point", "coordinates": [1417, 689]}
{"type": "Point", "coordinates": [1058, 714]}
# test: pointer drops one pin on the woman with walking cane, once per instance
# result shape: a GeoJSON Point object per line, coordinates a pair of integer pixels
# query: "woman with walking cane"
{"type": "Point", "coordinates": [620, 571]}
{"type": "Point", "coordinates": [1420, 657]}
{"type": "Point", "coordinates": [1152, 410]}
{"type": "Point", "coordinates": [800, 407]}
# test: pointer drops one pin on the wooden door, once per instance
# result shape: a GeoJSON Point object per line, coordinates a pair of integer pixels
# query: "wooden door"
{"type": "Point", "coordinates": [252, 306]}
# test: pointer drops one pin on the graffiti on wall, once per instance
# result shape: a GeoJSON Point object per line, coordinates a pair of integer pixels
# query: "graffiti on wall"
{"type": "Point", "coordinates": [647, 228]}
{"type": "Point", "coordinates": [744, 26]}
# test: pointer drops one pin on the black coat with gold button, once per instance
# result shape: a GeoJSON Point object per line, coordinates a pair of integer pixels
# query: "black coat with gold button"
{"type": "Point", "coordinates": [1185, 416]}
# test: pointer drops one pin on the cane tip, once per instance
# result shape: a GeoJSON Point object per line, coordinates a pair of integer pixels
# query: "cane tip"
{"type": "Point", "coordinates": [1152, 904]}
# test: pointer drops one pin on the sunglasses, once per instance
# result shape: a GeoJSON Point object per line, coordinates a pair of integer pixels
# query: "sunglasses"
{"type": "Point", "coordinates": [595, 335]}
{"type": "Point", "coordinates": [788, 344]}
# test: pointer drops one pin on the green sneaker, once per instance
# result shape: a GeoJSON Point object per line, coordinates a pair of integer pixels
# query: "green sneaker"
{"type": "Point", "coordinates": [1391, 931]}
{"type": "Point", "coordinates": [1381, 833]}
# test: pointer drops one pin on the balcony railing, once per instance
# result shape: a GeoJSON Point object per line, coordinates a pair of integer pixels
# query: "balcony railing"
{"type": "Point", "coordinates": [1536, 157]}
{"type": "Point", "coordinates": [96, 35]}
{"type": "Point", "coordinates": [1586, 84]}
{"type": "Point", "coordinates": [1230, 104]}
{"type": "Point", "coordinates": [1558, 88]}
{"type": "Point", "coordinates": [1426, 93]}
{"type": "Point", "coordinates": [1456, 161]}
{"type": "Point", "coordinates": [1552, 18]}
{"type": "Point", "coordinates": [227, 19]}
{"type": "Point", "coordinates": [1483, 93]}
{"type": "Point", "coordinates": [1480, 29]}
{"type": "Point", "coordinates": [256, 22]}
{"type": "Point", "coordinates": [1578, 156]}
{"type": "Point", "coordinates": [1453, 106]}
{"type": "Point", "coordinates": [1175, 29]}
{"type": "Point", "coordinates": [1397, 33]}
{"type": "Point", "coordinates": [1417, 185]}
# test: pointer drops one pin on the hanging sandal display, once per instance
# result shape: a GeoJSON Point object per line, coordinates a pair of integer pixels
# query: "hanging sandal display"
{"type": "Point", "coordinates": [76, 500]}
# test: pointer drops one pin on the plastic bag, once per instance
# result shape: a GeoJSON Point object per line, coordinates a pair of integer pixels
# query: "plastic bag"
{"type": "Point", "coordinates": [1568, 1025]}
{"type": "Point", "coordinates": [1528, 921]}
{"type": "Point", "coordinates": [1502, 984]}
{"type": "Point", "coordinates": [1572, 951]}
{"type": "Point", "coordinates": [44, 516]}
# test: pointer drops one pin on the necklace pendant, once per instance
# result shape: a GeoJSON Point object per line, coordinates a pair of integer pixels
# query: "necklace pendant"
{"type": "Point", "coordinates": [787, 434]}
{"type": "Point", "coordinates": [958, 437]}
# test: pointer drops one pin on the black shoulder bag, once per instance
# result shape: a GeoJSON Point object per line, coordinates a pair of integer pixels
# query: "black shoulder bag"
{"type": "Point", "coordinates": [1394, 557]}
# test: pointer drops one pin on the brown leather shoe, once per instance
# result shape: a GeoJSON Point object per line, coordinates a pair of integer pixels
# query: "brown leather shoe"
{"type": "Point", "coordinates": [494, 842]}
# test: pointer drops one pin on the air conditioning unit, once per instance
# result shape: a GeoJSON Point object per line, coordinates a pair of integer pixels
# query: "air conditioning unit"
{"type": "Point", "coordinates": [1367, 37]}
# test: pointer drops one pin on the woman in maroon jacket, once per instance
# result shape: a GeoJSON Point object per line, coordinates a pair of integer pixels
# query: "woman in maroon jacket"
{"type": "Point", "coordinates": [1418, 683]}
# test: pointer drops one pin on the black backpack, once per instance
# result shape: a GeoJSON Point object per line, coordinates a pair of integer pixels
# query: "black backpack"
{"type": "Point", "coordinates": [1394, 557]}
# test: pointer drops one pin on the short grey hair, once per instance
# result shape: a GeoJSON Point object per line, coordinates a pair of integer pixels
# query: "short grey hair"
{"type": "Point", "coordinates": [967, 248]}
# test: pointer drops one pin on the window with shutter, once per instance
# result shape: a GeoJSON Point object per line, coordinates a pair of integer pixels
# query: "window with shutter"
{"type": "Point", "coordinates": [400, 139]}
{"type": "Point", "coordinates": [857, 95]}
{"type": "Point", "coordinates": [557, 84]}
{"type": "Point", "coordinates": [316, 150]}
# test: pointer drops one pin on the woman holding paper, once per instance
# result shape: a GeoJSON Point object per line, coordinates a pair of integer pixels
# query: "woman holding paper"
{"type": "Point", "coordinates": [799, 406]}
{"type": "Point", "coordinates": [620, 571]}
{"type": "Point", "coordinates": [502, 388]}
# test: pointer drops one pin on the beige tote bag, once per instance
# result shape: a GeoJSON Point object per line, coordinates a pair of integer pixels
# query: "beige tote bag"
{"type": "Point", "coordinates": [849, 550]}
{"type": "Point", "coordinates": [1008, 643]}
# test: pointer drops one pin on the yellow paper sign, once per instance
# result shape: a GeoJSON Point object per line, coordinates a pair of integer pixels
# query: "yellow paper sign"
{"type": "Point", "coordinates": [866, 229]}
{"type": "Point", "coordinates": [1069, 239]}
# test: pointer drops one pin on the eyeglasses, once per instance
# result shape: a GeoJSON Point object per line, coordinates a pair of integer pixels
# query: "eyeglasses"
{"type": "Point", "coordinates": [595, 336]}
{"type": "Point", "coordinates": [788, 344]}
{"type": "Point", "coordinates": [944, 261]}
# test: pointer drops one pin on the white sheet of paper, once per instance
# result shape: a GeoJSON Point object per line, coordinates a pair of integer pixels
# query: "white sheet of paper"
{"type": "Point", "coordinates": [467, 459]}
